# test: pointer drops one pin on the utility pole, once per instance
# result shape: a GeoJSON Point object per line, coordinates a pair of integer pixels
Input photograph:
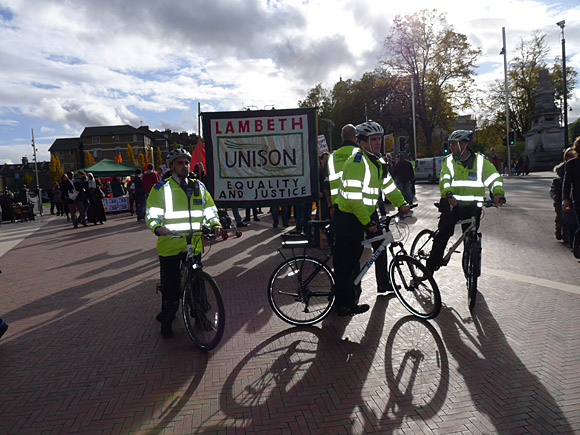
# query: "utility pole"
{"type": "Point", "coordinates": [561, 25]}
{"type": "Point", "coordinates": [38, 189]}
{"type": "Point", "coordinates": [414, 125]}
{"type": "Point", "coordinates": [507, 105]}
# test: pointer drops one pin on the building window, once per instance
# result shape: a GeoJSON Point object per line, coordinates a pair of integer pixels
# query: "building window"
{"type": "Point", "coordinates": [97, 152]}
{"type": "Point", "coordinates": [134, 138]}
{"type": "Point", "coordinates": [116, 138]}
{"type": "Point", "coordinates": [96, 140]}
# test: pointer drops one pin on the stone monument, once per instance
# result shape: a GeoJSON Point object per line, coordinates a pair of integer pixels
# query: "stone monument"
{"type": "Point", "coordinates": [545, 140]}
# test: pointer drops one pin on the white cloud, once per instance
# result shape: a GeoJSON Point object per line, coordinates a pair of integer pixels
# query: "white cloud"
{"type": "Point", "coordinates": [70, 65]}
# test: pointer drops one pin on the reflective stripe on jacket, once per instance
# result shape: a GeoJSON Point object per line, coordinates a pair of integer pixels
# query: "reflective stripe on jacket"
{"type": "Point", "coordinates": [361, 183]}
{"type": "Point", "coordinates": [468, 183]}
{"type": "Point", "coordinates": [335, 163]}
{"type": "Point", "coordinates": [167, 206]}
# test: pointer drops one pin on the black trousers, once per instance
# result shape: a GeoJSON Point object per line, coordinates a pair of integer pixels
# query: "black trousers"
{"type": "Point", "coordinates": [349, 233]}
{"type": "Point", "coordinates": [170, 282]}
{"type": "Point", "coordinates": [447, 221]}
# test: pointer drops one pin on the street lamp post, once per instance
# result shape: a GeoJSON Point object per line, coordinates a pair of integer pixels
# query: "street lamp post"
{"type": "Point", "coordinates": [507, 105]}
{"type": "Point", "coordinates": [330, 124]}
{"type": "Point", "coordinates": [561, 25]}
{"type": "Point", "coordinates": [38, 189]}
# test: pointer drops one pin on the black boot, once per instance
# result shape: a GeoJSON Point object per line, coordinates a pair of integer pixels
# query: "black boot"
{"type": "Point", "coordinates": [166, 317]}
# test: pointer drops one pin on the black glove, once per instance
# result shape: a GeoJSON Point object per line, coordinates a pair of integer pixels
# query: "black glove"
{"type": "Point", "coordinates": [367, 226]}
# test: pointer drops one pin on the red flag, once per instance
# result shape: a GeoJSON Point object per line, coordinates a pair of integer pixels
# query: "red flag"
{"type": "Point", "coordinates": [198, 155]}
{"type": "Point", "coordinates": [119, 159]}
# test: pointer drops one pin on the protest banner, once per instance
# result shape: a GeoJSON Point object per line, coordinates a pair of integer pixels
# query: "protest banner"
{"type": "Point", "coordinates": [260, 158]}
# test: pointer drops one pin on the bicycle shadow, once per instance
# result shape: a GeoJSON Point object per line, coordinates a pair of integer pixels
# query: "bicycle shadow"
{"type": "Point", "coordinates": [500, 385]}
{"type": "Point", "coordinates": [417, 372]}
{"type": "Point", "coordinates": [316, 379]}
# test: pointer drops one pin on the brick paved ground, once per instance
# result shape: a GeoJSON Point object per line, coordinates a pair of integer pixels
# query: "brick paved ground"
{"type": "Point", "coordinates": [83, 353]}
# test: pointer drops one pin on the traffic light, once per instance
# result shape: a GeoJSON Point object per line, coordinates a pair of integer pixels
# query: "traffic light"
{"type": "Point", "coordinates": [402, 143]}
{"type": "Point", "coordinates": [445, 147]}
{"type": "Point", "coordinates": [511, 138]}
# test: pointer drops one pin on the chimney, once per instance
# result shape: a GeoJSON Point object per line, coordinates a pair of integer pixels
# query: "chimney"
{"type": "Point", "coordinates": [24, 160]}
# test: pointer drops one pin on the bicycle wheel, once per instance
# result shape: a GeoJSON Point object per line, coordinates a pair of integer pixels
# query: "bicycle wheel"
{"type": "Point", "coordinates": [301, 290]}
{"type": "Point", "coordinates": [473, 271]}
{"type": "Point", "coordinates": [203, 310]}
{"type": "Point", "coordinates": [422, 245]}
{"type": "Point", "coordinates": [400, 230]}
{"type": "Point", "coordinates": [415, 287]}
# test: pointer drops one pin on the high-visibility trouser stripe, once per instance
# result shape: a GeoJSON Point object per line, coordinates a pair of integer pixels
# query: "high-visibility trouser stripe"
{"type": "Point", "coordinates": [491, 179]}
{"type": "Point", "coordinates": [369, 201]}
{"type": "Point", "coordinates": [446, 185]}
{"type": "Point", "coordinates": [196, 226]}
{"type": "Point", "coordinates": [446, 177]}
{"type": "Point", "coordinates": [496, 185]}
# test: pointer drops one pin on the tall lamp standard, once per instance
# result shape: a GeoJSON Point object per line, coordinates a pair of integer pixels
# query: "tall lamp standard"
{"type": "Point", "coordinates": [561, 25]}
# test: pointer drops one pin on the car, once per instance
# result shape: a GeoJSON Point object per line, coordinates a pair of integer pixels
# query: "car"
{"type": "Point", "coordinates": [428, 169]}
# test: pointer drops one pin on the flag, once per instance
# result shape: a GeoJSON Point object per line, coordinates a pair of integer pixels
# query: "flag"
{"type": "Point", "coordinates": [198, 155]}
{"type": "Point", "coordinates": [119, 159]}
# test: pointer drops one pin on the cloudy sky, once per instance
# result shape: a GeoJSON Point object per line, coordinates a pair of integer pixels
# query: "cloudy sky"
{"type": "Point", "coordinates": [70, 64]}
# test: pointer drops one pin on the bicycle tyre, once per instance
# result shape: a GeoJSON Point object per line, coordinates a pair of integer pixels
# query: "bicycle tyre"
{"type": "Point", "coordinates": [415, 287]}
{"type": "Point", "coordinates": [422, 245]}
{"type": "Point", "coordinates": [301, 290]}
{"type": "Point", "coordinates": [203, 310]}
{"type": "Point", "coordinates": [473, 262]}
{"type": "Point", "coordinates": [400, 231]}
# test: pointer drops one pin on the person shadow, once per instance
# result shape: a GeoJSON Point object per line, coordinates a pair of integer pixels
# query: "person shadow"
{"type": "Point", "coordinates": [508, 396]}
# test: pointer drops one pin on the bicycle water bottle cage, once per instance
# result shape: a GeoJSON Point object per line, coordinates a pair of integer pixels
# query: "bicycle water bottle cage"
{"type": "Point", "coordinates": [294, 241]}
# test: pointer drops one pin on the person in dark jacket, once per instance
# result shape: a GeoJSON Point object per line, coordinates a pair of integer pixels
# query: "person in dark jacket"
{"type": "Point", "coordinates": [563, 217]}
{"type": "Point", "coordinates": [571, 192]}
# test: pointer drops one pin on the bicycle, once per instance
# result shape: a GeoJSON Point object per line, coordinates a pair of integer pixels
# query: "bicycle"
{"type": "Point", "coordinates": [301, 288]}
{"type": "Point", "coordinates": [471, 261]}
{"type": "Point", "coordinates": [202, 305]}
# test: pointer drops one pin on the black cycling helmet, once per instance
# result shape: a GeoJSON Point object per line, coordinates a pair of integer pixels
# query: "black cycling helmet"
{"type": "Point", "coordinates": [173, 154]}
{"type": "Point", "coordinates": [461, 136]}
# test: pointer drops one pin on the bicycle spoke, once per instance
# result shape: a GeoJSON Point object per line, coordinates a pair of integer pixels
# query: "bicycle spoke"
{"type": "Point", "coordinates": [300, 291]}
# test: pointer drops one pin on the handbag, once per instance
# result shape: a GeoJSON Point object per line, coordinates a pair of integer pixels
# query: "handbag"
{"type": "Point", "coordinates": [73, 195]}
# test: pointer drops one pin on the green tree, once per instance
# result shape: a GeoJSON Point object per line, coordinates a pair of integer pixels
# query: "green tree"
{"type": "Point", "coordinates": [574, 131]}
{"type": "Point", "coordinates": [523, 77]}
{"type": "Point", "coordinates": [441, 62]}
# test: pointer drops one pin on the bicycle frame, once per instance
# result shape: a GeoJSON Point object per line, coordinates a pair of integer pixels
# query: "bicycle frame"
{"type": "Point", "coordinates": [473, 222]}
{"type": "Point", "coordinates": [387, 238]}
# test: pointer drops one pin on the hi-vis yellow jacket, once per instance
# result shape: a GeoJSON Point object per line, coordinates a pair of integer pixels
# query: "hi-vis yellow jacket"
{"type": "Point", "coordinates": [336, 162]}
{"type": "Point", "coordinates": [468, 183]}
{"type": "Point", "coordinates": [361, 183]}
{"type": "Point", "coordinates": [167, 206]}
